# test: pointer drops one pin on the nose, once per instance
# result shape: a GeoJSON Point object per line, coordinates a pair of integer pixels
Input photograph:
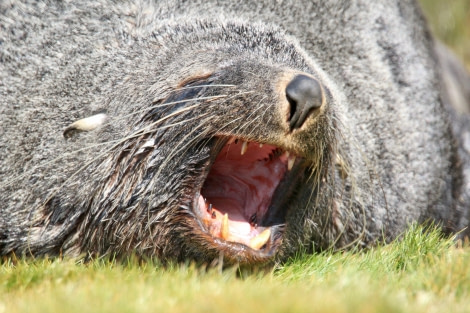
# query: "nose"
{"type": "Point", "coordinates": [305, 95]}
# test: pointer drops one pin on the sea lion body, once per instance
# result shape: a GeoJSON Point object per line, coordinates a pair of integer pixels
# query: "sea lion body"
{"type": "Point", "coordinates": [180, 83]}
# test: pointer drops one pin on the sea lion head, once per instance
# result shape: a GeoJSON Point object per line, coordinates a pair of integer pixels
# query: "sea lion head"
{"type": "Point", "coordinates": [222, 141]}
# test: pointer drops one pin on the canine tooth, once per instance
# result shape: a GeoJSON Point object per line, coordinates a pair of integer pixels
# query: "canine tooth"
{"type": "Point", "coordinates": [231, 140]}
{"type": "Point", "coordinates": [287, 154]}
{"type": "Point", "coordinates": [260, 240]}
{"type": "Point", "coordinates": [224, 231]}
{"type": "Point", "coordinates": [244, 147]}
{"type": "Point", "coordinates": [290, 162]}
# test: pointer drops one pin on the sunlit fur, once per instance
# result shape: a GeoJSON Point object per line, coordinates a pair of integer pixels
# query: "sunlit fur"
{"type": "Point", "coordinates": [174, 79]}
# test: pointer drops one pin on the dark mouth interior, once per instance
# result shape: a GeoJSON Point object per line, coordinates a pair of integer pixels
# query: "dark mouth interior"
{"type": "Point", "coordinates": [237, 194]}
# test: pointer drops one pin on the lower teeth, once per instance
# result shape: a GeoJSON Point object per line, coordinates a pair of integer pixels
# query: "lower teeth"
{"type": "Point", "coordinates": [224, 228]}
{"type": "Point", "coordinates": [257, 242]}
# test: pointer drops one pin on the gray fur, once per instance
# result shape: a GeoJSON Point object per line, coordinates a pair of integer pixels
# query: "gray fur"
{"type": "Point", "coordinates": [388, 154]}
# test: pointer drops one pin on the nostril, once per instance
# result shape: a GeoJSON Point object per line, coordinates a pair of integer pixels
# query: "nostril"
{"type": "Point", "coordinates": [304, 95]}
{"type": "Point", "coordinates": [292, 106]}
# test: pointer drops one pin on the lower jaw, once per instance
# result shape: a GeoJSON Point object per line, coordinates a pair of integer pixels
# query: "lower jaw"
{"type": "Point", "coordinates": [220, 226]}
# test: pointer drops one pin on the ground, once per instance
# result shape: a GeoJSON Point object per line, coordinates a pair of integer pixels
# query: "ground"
{"type": "Point", "coordinates": [422, 272]}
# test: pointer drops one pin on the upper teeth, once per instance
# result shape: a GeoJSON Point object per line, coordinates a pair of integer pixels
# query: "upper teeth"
{"type": "Point", "coordinates": [290, 162]}
{"type": "Point", "coordinates": [244, 148]}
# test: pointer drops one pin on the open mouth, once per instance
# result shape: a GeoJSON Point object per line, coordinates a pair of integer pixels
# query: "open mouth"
{"type": "Point", "coordinates": [244, 198]}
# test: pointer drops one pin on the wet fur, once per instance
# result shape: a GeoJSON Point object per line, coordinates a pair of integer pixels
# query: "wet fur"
{"type": "Point", "coordinates": [171, 76]}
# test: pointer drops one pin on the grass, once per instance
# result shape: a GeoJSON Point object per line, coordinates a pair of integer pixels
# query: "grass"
{"type": "Point", "coordinates": [450, 21]}
{"type": "Point", "coordinates": [422, 272]}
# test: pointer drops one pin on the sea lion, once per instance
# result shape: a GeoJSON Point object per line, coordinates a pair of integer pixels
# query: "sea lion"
{"type": "Point", "coordinates": [219, 131]}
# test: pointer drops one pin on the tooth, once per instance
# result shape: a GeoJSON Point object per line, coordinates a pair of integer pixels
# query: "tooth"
{"type": "Point", "coordinates": [287, 154]}
{"type": "Point", "coordinates": [231, 140]}
{"type": "Point", "coordinates": [261, 145]}
{"type": "Point", "coordinates": [260, 240]}
{"type": "Point", "coordinates": [290, 162]}
{"type": "Point", "coordinates": [244, 147]}
{"type": "Point", "coordinates": [224, 231]}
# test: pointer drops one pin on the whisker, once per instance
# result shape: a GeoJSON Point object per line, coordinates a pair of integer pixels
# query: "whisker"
{"type": "Point", "coordinates": [209, 85]}
{"type": "Point", "coordinates": [155, 123]}
{"type": "Point", "coordinates": [115, 142]}
{"type": "Point", "coordinates": [161, 105]}
{"type": "Point", "coordinates": [132, 136]}
{"type": "Point", "coordinates": [251, 121]}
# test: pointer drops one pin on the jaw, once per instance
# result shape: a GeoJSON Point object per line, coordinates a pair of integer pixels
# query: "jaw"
{"type": "Point", "coordinates": [244, 199]}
